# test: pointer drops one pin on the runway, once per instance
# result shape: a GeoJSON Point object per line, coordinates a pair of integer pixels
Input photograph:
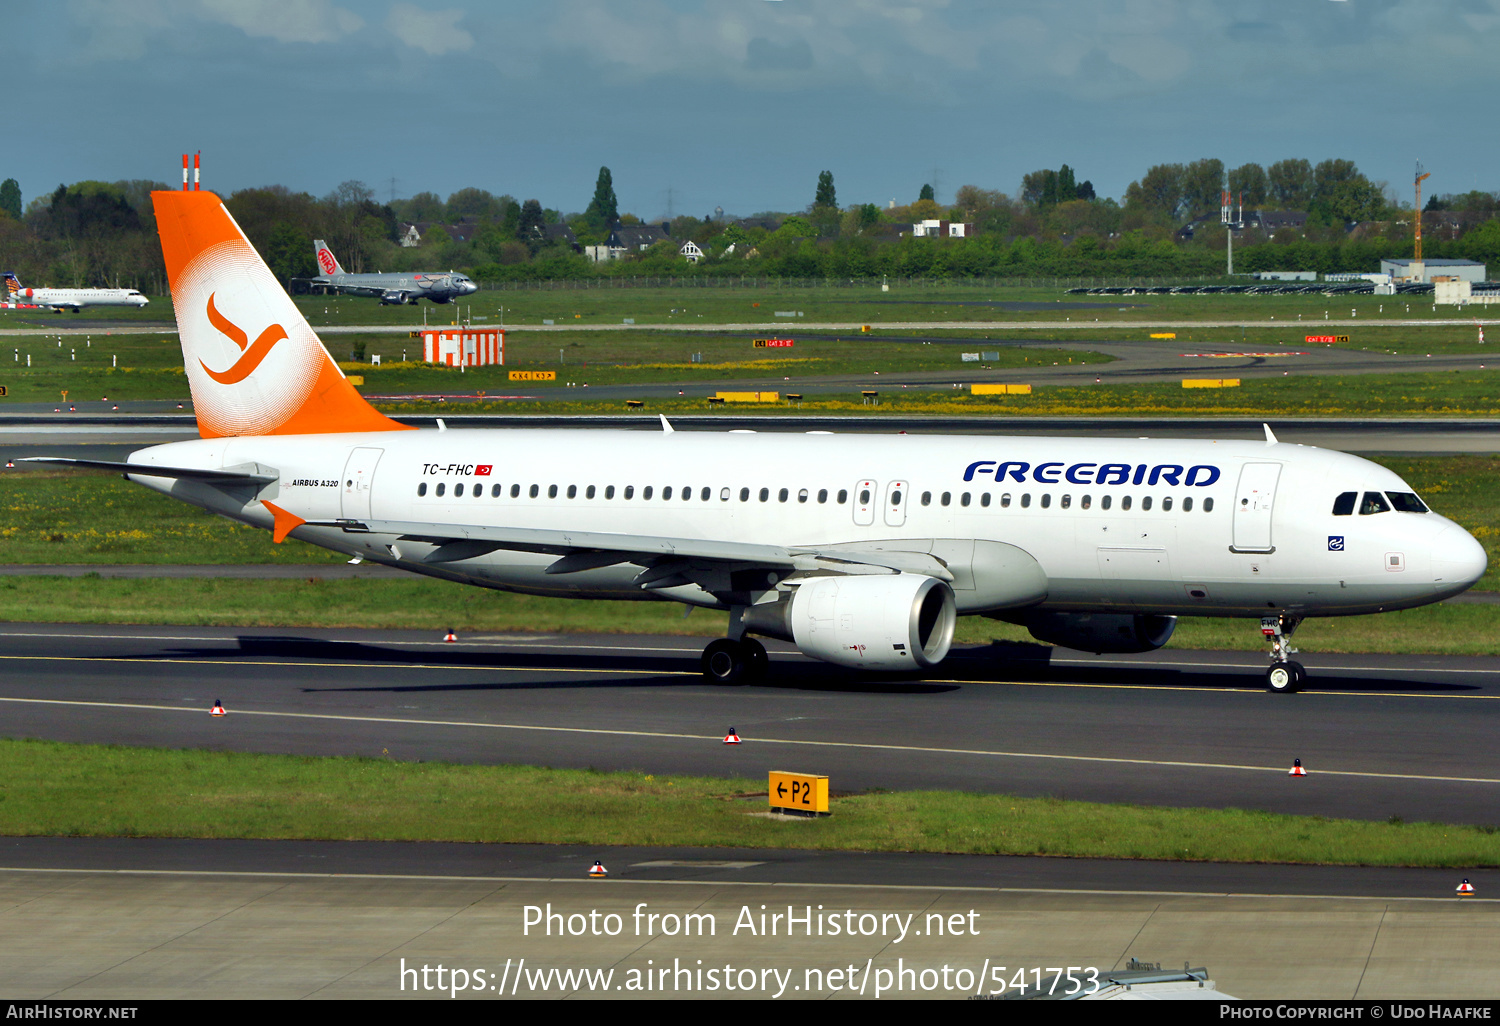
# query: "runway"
{"type": "Point", "coordinates": [1381, 736]}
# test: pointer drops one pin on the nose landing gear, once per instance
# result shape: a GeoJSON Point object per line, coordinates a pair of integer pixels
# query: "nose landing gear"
{"type": "Point", "coordinates": [1284, 675]}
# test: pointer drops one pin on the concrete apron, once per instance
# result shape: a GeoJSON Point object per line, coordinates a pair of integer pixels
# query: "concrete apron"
{"type": "Point", "coordinates": [138, 935]}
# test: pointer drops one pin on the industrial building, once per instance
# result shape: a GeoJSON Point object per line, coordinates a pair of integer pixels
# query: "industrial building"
{"type": "Point", "coordinates": [1429, 270]}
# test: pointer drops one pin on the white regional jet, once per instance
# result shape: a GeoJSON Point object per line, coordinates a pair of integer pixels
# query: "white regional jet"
{"type": "Point", "coordinates": [70, 299]}
{"type": "Point", "coordinates": [860, 549]}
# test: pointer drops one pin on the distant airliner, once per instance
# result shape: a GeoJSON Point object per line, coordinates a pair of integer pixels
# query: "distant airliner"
{"type": "Point", "coordinates": [70, 299]}
{"type": "Point", "coordinates": [862, 549]}
{"type": "Point", "coordinates": [438, 286]}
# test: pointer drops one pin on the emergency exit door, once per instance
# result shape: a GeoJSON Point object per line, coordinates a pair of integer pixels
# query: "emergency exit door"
{"type": "Point", "coordinates": [1254, 500]}
{"type": "Point", "coordinates": [359, 477]}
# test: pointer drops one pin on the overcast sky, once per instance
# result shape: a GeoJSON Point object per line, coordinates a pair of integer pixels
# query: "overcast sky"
{"type": "Point", "coordinates": [740, 103]}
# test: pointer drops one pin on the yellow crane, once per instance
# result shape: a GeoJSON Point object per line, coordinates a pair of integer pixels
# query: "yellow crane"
{"type": "Point", "coordinates": [1421, 176]}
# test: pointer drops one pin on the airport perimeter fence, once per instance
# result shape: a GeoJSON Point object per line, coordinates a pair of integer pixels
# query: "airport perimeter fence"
{"type": "Point", "coordinates": [766, 282]}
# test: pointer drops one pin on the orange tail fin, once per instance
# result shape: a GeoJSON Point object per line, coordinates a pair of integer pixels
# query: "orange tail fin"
{"type": "Point", "coordinates": [281, 383]}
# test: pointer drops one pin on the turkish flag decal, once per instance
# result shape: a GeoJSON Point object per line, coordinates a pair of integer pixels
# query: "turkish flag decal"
{"type": "Point", "coordinates": [483, 470]}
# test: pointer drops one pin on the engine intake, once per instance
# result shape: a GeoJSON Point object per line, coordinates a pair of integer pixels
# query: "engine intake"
{"type": "Point", "coordinates": [876, 622]}
{"type": "Point", "coordinates": [1101, 632]}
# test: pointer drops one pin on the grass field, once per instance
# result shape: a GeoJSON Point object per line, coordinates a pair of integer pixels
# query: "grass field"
{"type": "Point", "coordinates": [86, 790]}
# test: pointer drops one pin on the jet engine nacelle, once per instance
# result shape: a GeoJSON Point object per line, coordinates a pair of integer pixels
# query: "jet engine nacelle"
{"type": "Point", "coordinates": [876, 622]}
{"type": "Point", "coordinates": [1102, 632]}
{"type": "Point", "coordinates": [394, 297]}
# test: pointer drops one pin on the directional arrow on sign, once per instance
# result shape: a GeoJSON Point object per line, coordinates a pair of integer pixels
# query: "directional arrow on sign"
{"type": "Point", "coordinates": [781, 789]}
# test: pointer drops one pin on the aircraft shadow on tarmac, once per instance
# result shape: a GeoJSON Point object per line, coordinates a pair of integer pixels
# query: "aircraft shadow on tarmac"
{"type": "Point", "coordinates": [1000, 662]}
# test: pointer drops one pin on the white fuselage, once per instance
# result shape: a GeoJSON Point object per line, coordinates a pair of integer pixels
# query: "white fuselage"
{"type": "Point", "coordinates": [78, 298]}
{"type": "Point", "coordinates": [1177, 527]}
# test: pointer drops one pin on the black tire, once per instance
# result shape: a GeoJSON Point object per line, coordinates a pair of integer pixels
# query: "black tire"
{"type": "Point", "coordinates": [723, 662]}
{"type": "Point", "coordinates": [1284, 678]}
{"type": "Point", "coordinates": [1301, 673]}
{"type": "Point", "coordinates": [757, 663]}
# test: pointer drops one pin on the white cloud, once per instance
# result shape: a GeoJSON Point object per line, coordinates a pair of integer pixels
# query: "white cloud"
{"type": "Point", "coordinates": [433, 32]}
{"type": "Point", "coordinates": [286, 21]}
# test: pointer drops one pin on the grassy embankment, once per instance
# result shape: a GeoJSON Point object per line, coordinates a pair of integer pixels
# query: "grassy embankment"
{"type": "Point", "coordinates": [51, 788]}
{"type": "Point", "coordinates": [50, 517]}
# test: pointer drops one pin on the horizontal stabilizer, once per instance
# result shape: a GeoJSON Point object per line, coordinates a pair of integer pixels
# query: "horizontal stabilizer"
{"type": "Point", "coordinates": [149, 470]}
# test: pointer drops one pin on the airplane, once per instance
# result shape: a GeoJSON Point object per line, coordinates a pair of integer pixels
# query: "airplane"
{"type": "Point", "coordinates": [862, 550]}
{"type": "Point", "coordinates": [391, 288]}
{"type": "Point", "coordinates": [69, 299]}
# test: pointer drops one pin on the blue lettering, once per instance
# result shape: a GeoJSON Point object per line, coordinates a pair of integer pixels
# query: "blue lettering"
{"type": "Point", "coordinates": [1081, 473]}
{"type": "Point", "coordinates": [1041, 468]}
{"type": "Point", "coordinates": [1140, 474]}
{"type": "Point", "coordinates": [1168, 472]}
{"type": "Point", "coordinates": [1017, 471]}
{"type": "Point", "coordinates": [1113, 474]}
{"type": "Point", "coordinates": [974, 468]}
{"type": "Point", "coordinates": [1211, 473]}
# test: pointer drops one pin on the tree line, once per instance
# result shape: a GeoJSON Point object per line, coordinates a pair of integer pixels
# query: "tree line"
{"type": "Point", "coordinates": [104, 233]}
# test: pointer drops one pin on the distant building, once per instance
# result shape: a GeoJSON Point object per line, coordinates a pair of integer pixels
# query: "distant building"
{"type": "Point", "coordinates": [1409, 270]}
{"type": "Point", "coordinates": [408, 234]}
{"type": "Point", "coordinates": [691, 252]}
{"type": "Point", "coordinates": [561, 233]}
{"type": "Point", "coordinates": [934, 229]}
{"type": "Point", "coordinates": [627, 239]}
{"type": "Point", "coordinates": [1285, 275]}
{"type": "Point", "coordinates": [1274, 221]}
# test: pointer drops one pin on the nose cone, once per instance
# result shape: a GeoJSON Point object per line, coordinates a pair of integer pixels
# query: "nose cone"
{"type": "Point", "coordinates": [469, 287]}
{"type": "Point", "coordinates": [1458, 560]}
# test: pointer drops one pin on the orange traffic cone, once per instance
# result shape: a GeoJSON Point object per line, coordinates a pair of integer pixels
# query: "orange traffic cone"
{"type": "Point", "coordinates": [1297, 770]}
{"type": "Point", "coordinates": [1466, 889]}
{"type": "Point", "coordinates": [598, 871]}
{"type": "Point", "coordinates": [218, 709]}
{"type": "Point", "coordinates": [732, 738]}
{"type": "Point", "coordinates": [450, 636]}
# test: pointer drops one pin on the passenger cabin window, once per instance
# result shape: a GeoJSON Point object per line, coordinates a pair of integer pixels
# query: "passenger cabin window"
{"type": "Point", "coordinates": [645, 493]}
{"type": "Point", "coordinates": [1145, 502]}
{"type": "Point", "coordinates": [552, 491]}
{"type": "Point", "coordinates": [843, 496]}
{"type": "Point", "coordinates": [666, 493]}
{"type": "Point", "coordinates": [1166, 504]}
{"type": "Point", "coordinates": [458, 490]}
{"type": "Point", "coordinates": [802, 495]}
{"type": "Point", "coordinates": [515, 491]}
{"type": "Point", "coordinates": [963, 500]}
{"type": "Point", "coordinates": [535, 491]}
{"type": "Point", "coordinates": [495, 491]}
{"type": "Point", "coordinates": [896, 497]}
{"type": "Point", "coordinates": [707, 494]}
{"type": "Point", "coordinates": [1125, 502]}
{"type": "Point", "coordinates": [422, 488]}
{"type": "Point", "coordinates": [984, 500]}
{"type": "Point", "coordinates": [947, 498]}
{"type": "Point", "coordinates": [1187, 505]}
{"type": "Point", "coordinates": [1086, 501]}
{"type": "Point", "coordinates": [1105, 500]}
{"type": "Point", "coordinates": [1025, 500]}
{"type": "Point", "coordinates": [572, 491]}
{"type": "Point", "coordinates": [1067, 500]}
{"type": "Point", "coordinates": [1208, 505]}
{"type": "Point", "coordinates": [478, 490]}
{"type": "Point", "coordinates": [1343, 506]}
{"type": "Point", "coordinates": [927, 498]}
{"type": "Point", "coordinates": [1406, 502]}
{"type": "Point", "coordinates": [1373, 502]}
{"type": "Point", "coordinates": [864, 497]}
{"type": "Point", "coordinates": [765, 495]}
{"type": "Point", "coordinates": [822, 495]}
{"type": "Point", "coordinates": [629, 492]}
{"type": "Point", "coordinates": [723, 494]}
{"type": "Point", "coordinates": [440, 488]}
{"type": "Point", "coordinates": [589, 492]}
{"type": "Point", "coordinates": [783, 495]}
{"type": "Point", "coordinates": [1046, 500]}
{"type": "Point", "coordinates": [609, 491]}
{"type": "Point", "coordinates": [1005, 500]}
{"type": "Point", "coordinates": [744, 495]}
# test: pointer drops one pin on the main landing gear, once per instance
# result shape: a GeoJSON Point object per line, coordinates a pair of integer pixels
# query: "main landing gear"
{"type": "Point", "coordinates": [727, 661]}
{"type": "Point", "coordinates": [1284, 675]}
{"type": "Point", "coordinates": [735, 659]}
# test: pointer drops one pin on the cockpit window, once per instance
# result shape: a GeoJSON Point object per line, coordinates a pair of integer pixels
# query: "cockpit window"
{"type": "Point", "coordinates": [1407, 502]}
{"type": "Point", "coordinates": [1344, 504]}
{"type": "Point", "coordinates": [1374, 502]}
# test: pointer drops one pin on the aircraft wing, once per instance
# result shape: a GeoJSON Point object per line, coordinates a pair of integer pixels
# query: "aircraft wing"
{"type": "Point", "coordinates": [149, 470]}
{"type": "Point", "coordinates": [668, 562]}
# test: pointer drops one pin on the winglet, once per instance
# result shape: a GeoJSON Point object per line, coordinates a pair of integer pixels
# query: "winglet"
{"type": "Point", "coordinates": [286, 522]}
{"type": "Point", "coordinates": [1270, 438]}
{"type": "Point", "coordinates": [665, 425]}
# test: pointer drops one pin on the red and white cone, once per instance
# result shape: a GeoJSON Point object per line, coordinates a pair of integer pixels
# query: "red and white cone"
{"type": "Point", "coordinates": [732, 738]}
{"type": "Point", "coordinates": [597, 871]}
{"type": "Point", "coordinates": [450, 636]}
{"type": "Point", "coordinates": [1296, 770]}
{"type": "Point", "coordinates": [218, 709]}
{"type": "Point", "coordinates": [1465, 889]}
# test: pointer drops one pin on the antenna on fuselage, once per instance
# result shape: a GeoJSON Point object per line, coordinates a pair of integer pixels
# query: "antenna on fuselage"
{"type": "Point", "coordinates": [1270, 438]}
